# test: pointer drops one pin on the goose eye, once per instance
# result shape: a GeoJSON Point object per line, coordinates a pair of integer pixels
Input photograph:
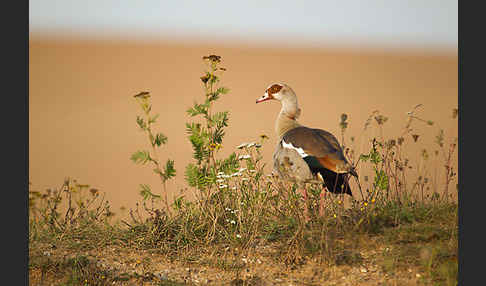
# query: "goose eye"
{"type": "Point", "coordinates": [275, 88]}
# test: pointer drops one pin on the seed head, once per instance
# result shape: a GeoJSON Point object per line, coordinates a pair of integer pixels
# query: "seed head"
{"type": "Point", "coordinates": [213, 58]}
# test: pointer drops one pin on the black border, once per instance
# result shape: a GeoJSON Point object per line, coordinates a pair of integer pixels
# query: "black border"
{"type": "Point", "coordinates": [15, 135]}
{"type": "Point", "coordinates": [471, 122]}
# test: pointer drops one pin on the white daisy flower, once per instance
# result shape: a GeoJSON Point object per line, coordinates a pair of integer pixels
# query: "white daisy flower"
{"type": "Point", "coordinates": [241, 157]}
{"type": "Point", "coordinates": [242, 145]}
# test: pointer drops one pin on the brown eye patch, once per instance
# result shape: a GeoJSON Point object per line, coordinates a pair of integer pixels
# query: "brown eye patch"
{"type": "Point", "coordinates": [274, 89]}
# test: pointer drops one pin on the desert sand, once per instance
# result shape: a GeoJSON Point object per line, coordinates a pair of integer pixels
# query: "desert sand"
{"type": "Point", "coordinates": [82, 113]}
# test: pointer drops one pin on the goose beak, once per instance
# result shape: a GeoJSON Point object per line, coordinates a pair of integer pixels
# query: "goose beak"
{"type": "Point", "coordinates": [265, 97]}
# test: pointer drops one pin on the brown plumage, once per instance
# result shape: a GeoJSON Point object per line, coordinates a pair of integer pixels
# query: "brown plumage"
{"type": "Point", "coordinates": [319, 149]}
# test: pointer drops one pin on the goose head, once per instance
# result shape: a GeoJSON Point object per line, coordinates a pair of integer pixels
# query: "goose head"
{"type": "Point", "coordinates": [278, 91]}
{"type": "Point", "coordinates": [286, 95]}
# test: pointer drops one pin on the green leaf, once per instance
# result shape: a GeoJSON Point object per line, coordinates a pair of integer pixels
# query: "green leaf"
{"type": "Point", "coordinates": [178, 203]}
{"type": "Point", "coordinates": [381, 180]}
{"type": "Point", "coordinates": [160, 139]}
{"type": "Point", "coordinates": [222, 90]}
{"type": "Point", "coordinates": [141, 123]}
{"type": "Point", "coordinates": [146, 193]}
{"type": "Point", "coordinates": [219, 119]}
{"type": "Point", "coordinates": [151, 138]}
{"type": "Point", "coordinates": [193, 128]}
{"type": "Point", "coordinates": [140, 157]}
{"type": "Point", "coordinates": [199, 140]}
{"type": "Point", "coordinates": [153, 119]}
{"type": "Point", "coordinates": [198, 109]}
{"type": "Point", "coordinates": [193, 176]}
{"type": "Point", "coordinates": [375, 157]}
{"type": "Point", "coordinates": [169, 170]}
{"type": "Point", "coordinates": [229, 165]}
{"type": "Point", "coordinates": [364, 157]}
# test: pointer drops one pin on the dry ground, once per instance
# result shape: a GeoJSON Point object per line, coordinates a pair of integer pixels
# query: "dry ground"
{"type": "Point", "coordinates": [410, 256]}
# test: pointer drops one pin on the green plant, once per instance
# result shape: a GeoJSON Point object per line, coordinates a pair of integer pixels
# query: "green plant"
{"type": "Point", "coordinates": [156, 140]}
{"type": "Point", "coordinates": [381, 179]}
{"type": "Point", "coordinates": [206, 137]}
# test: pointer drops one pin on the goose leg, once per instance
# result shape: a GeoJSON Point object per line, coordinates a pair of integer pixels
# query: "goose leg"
{"type": "Point", "coordinates": [303, 191]}
{"type": "Point", "coordinates": [322, 196]}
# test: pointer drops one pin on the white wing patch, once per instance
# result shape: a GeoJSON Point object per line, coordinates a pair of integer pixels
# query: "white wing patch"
{"type": "Point", "coordinates": [299, 150]}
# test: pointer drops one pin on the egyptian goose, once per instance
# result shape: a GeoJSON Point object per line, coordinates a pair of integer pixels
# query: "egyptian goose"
{"type": "Point", "coordinates": [306, 154]}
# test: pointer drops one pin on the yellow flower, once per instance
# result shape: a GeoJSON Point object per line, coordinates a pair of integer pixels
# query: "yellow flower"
{"type": "Point", "coordinates": [339, 202]}
{"type": "Point", "coordinates": [373, 200]}
{"type": "Point", "coordinates": [365, 204]}
{"type": "Point", "coordinates": [334, 215]}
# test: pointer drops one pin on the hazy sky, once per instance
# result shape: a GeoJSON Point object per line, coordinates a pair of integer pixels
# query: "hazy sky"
{"type": "Point", "coordinates": [411, 23]}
